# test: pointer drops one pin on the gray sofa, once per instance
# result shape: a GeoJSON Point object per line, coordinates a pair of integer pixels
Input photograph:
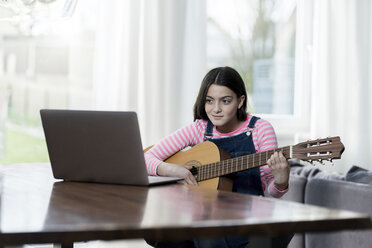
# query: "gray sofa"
{"type": "Point", "coordinates": [353, 192]}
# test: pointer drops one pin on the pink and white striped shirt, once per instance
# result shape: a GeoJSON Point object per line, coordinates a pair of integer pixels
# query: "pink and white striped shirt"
{"type": "Point", "coordinates": [263, 135]}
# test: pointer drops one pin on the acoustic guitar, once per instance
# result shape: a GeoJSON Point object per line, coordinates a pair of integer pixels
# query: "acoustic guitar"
{"type": "Point", "coordinates": [210, 164]}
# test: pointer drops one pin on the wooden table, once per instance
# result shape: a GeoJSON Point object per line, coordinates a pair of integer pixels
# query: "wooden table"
{"type": "Point", "coordinates": [35, 208]}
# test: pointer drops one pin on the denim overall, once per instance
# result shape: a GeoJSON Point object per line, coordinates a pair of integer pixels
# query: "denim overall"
{"type": "Point", "coordinates": [248, 181]}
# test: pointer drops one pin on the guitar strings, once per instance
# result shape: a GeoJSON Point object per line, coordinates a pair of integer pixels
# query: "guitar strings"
{"type": "Point", "coordinates": [231, 165]}
{"type": "Point", "coordinates": [253, 160]}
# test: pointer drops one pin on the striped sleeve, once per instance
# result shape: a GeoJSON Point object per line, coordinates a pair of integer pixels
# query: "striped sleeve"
{"type": "Point", "coordinates": [264, 136]}
{"type": "Point", "coordinates": [264, 139]}
{"type": "Point", "coordinates": [189, 135]}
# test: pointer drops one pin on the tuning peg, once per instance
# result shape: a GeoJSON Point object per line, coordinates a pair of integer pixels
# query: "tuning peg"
{"type": "Point", "coordinates": [319, 161]}
{"type": "Point", "coordinates": [330, 160]}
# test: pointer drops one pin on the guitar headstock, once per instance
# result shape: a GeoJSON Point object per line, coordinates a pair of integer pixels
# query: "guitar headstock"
{"type": "Point", "coordinates": [319, 150]}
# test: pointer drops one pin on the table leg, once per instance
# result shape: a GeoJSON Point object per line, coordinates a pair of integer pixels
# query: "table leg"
{"type": "Point", "coordinates": [260, 241]}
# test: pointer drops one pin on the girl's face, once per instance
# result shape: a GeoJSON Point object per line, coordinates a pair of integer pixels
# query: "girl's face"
{"type": "Point", "coordinates": [221, 106]}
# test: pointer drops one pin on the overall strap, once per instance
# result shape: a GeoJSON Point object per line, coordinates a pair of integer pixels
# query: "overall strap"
{"type": "Point", "coordinates": [251, 125]}
{"type": "Point", "coordinates": [252, 122]}
{"type": "Point", "coordinates": [209, 131]}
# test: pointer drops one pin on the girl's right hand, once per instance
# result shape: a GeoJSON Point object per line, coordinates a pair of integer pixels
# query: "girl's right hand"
{"type": "Point", "coordinates": [175, 170]}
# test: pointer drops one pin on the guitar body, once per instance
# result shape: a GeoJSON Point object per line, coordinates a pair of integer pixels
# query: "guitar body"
{"type": "Point", "coordinates": [204, 153]}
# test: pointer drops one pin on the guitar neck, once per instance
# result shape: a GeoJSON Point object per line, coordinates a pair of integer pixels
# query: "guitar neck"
{"type": "Point", "coordinates": [221, 168]}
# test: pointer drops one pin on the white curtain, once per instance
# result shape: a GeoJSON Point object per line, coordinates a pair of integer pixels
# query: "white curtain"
{"type": "Point", "coordinates": [341, 102]}
{"type": "Point", "coordinates": [150, 58]}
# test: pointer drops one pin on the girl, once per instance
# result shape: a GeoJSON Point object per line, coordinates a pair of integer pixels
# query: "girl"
{"type": "Point", "coordinates": [220, 117]}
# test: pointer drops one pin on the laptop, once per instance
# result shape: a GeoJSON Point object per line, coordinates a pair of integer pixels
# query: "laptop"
{"type": "Point", "coordinates": [97, 146]}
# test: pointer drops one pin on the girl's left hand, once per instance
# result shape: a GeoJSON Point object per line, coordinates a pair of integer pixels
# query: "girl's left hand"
{"type": "Point", "coordinates": [280, 168]}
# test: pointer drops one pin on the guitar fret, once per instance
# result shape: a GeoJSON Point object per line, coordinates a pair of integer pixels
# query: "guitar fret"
{"type": "Point", "coordinates": [259, 158]}
{"type": "Point", "coordinates": [204, 172]}
{"type": "Point", "coordinates": [209, 171]}
{"type": "Point", "coordinates": [255, 159]}
{"type": "Point", "coordinates": [210, 175]}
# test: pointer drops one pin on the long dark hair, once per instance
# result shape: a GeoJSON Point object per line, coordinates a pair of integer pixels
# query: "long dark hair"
{"type": "Point", "coordinates": [223, 76]}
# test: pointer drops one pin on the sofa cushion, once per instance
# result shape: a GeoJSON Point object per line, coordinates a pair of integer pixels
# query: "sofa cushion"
{"type": "Point", "coordinates": [296, 193]}
{"type": "Point", "coordinates": [359, 175]}
{"type": "Point", "coordinates": [296, 190]}
{"type": "Point", "coordinates": [309, 171]}
{"type": "Point", "coordinates": [339, 195]}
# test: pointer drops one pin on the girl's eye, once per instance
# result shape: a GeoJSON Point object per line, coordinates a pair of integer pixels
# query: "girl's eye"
{"type": "Point", "coordinates": [209, 101]}
{"type": "Point", "coordinates": [226, 101]}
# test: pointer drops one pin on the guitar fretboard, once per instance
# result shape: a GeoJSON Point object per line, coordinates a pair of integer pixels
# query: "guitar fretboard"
{"type": "Point", "coordinates": [221, 168]}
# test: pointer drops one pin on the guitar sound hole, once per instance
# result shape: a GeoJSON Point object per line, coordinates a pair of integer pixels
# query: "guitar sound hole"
{"type": "Point", "coordinates": [194, 170]}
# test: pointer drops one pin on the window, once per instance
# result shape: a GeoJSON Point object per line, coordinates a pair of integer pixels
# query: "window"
{"type": "Point", "coordinates": [44, 63]}
{"type": "Point", "coordinates": [256, 37]}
